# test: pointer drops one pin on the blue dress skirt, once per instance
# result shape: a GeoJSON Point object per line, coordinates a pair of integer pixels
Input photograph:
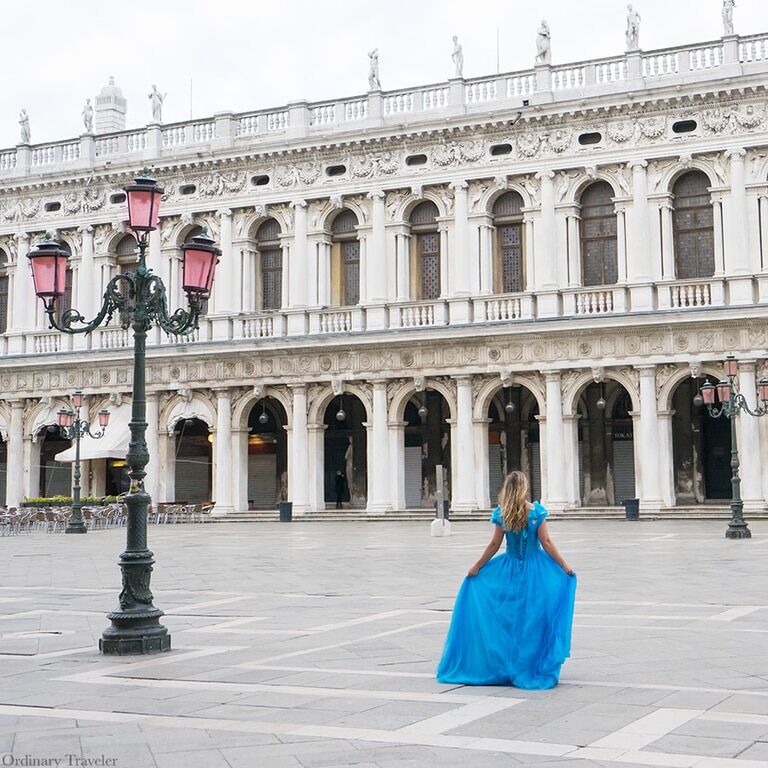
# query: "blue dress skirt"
{"type": "Point", "coordinates": [511, 623]}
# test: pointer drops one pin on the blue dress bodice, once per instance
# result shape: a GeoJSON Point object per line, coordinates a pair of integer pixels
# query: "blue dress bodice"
{"type": "Point", "coordinates": [522, 545]}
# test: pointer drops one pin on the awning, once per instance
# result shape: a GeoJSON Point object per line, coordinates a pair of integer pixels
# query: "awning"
{"type": "Point", "coordinates": [114, 444]}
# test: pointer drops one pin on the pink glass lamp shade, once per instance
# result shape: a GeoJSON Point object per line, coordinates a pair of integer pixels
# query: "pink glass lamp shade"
{"type": "Point", "coordinates": [77, 399]}
{"type": "Point", "coordinates": [49, 269]}
{"type": "Point", "coordinates": [731, 366]}
{"type": "Point", "coordinates": [708, 393]}
{"type": "Point", "coordinates": [200, 259]}
{"type": "Point", "coordinates": [66, 418]}
{"type": "Point", "coordinates": [762, 390]}
{"type": "Point", "coordinates": [724, 390]}
{"type": "Point", "coordinates": [144, 203]}
{"type": "Point", "coordinates": [103, 418]}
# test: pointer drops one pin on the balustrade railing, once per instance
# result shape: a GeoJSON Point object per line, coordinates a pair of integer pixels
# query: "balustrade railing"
{"type": "Point", "coordinates": [594, 301]}
{"type": "Point", "coordinates": [409, 105]}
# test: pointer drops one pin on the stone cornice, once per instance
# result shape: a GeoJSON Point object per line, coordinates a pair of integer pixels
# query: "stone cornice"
{"type": "Point", "coordinates": [568, 348]}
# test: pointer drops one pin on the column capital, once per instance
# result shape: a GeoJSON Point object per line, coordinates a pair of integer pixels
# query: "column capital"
{"type": "Point", "coordinates": [552, 376]}
{"type": "Point", "coordinates": [748, 366]}
{"type": "Point", "coordinates": [296, 204]}
{"type": "Point", "coordinates": [646, 370]}
{"type": "Point", "coordinates": [224, 213]}
{"type": "Point", "coordinates": [736, 154]}
{"type": "Point", "coordinates": [377, 194]}
{"type": "Point", "coordinates": [378, 383]}
{"type": "Point", "coordinates": [637, 165]}
{"type": "Point", "coordinates": [298, 389]}
{"type": "Point", "coordinates": [459, 185]}
{"type": "Point", "coordinates": [22, 237]}
{"type": "Point", "coordinates": [547, 175]}
{"type": "Point", "coordinates": [463, 378]}
{"type": "Point", "coordinates": [222, 392]}
{"type": "Point", "coordinates": [86, 229]}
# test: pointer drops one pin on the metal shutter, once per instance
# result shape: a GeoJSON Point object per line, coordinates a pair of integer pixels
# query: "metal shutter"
{"type": "Point", "coordinates": [413, 476]}
{"type": "Point", "coordinates": [623, 470]}
{"type": "Point", "coordinates": [535, 471]}
{"type": "Point", "coordinates": [495, 472]}
{"type": "Point", "coordinates": [57, 480]}
{"type": "Point", "coordinates": [262, 481]}
{"type": "Point", "coordinates": [192, 480]}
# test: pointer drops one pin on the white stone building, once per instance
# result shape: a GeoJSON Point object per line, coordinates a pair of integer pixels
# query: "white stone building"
{"type": "Point", "coordinates": [534, 269]}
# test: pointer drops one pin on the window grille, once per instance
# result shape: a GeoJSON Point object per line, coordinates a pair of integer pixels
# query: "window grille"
{"type": "Point", "coordinates": [693, 227]}
{"type": "Point", "coordinates": [599, 242]}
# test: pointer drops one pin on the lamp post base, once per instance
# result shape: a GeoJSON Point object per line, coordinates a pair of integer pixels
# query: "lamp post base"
{"type": "Point", "coordinates": [76, 526]}
{"type": "Point", "coordinates": [135, 634]}
{"type": "Point", "coordinates": [738, 532]}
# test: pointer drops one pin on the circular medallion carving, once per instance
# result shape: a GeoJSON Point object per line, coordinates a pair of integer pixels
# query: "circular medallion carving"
{"type": "Point", "coordinates": [406, 359]}
{"type": "Point", "coordinates": [326, 363]}
{"type": "Point", "coordinates": [494, 353]}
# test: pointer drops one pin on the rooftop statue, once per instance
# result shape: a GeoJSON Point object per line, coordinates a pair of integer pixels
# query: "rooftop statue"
{"type": "Point", "coordinates": [543, 52]}
{"type": "Point", "coordinates": [156, 99]}
{"type": "Point", "coordinates": [88, 116]}
{"type": "Point", "coordinates": [458, 57]}
{"type": "Point", "coordinates": [728, 17]}
{"type": "Point", "coordinates": [24, 123]}
{"type": "Point", "coordinates": [374, 84]}
{"type": "Point", "coordinates": [633, 29]}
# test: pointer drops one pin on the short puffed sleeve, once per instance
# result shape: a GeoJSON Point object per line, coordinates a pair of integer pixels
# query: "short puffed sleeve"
{"type": "Point", "coordinates": [538, 514]}
{"type": "Point", "coordinates": [496, 517]}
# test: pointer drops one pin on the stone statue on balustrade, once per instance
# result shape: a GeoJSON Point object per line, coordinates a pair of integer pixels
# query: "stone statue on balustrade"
{"type": "Point", "coordinates": [728, 17]}
{"type": "Point", "coordinates": [88, 116]}
{"type": "Point", "coordinates": [374, 84]}
{"type": "Point", "coordinates": [543, 50]}
{"type": "Point", "coordinates": [26, 135]}
{"type": "Point", "coordinates": [633, 29]}
{"type": "Point", "coordinates": [156, 99]}
{"type": "Point", "coordinates": [458, 58]}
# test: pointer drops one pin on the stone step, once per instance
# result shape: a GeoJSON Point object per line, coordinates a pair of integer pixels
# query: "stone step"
{"type": "Point", "coordinates": [702, 512]}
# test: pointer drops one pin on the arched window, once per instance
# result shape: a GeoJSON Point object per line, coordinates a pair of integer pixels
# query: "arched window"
{"type": "Point", "coordinates": [599, 245]}
{"type": "Point", "coordinates": [508, 261]}
{"type": "Point", "coordinates": [426, 272]}
{"type": "Point", "coordinates": [3, 292]}
{"type": "Point", "coordinates": [693, 227]}
{"type": "Point", "coordinates": [271, 264]}
{"type": "Point", "coordinates": [345, 269]}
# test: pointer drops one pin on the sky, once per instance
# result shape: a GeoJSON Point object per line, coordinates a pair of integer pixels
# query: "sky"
{"type": "Point", "coordinates": [240, 55]}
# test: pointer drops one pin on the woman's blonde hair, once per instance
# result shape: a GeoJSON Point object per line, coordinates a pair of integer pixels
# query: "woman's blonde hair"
{"type": "Point", "coordinates": [512, 501]}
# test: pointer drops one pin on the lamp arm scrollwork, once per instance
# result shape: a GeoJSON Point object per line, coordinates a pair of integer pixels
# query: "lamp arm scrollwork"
{"type": "Point", "coordinates": [72, 321]}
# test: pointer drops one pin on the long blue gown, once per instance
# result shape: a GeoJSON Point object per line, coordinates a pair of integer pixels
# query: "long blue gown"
{"type": "Point", "coordinates": [511, 623]}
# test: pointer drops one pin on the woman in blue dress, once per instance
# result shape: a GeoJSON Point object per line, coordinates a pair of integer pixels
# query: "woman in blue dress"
{"type": "Point", "coordinates": [511, 624]}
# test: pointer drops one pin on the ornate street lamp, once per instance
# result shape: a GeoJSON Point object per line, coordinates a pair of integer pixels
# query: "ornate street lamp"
{"type": "Point", "coordinates": [732, 402]}
{"type": "Point", "coordinates": [139, 298]}
{"type": "Point", "coordinates": [74, 428]}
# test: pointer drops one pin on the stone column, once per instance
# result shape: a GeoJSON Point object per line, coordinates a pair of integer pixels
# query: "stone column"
{"type": "Point", "coordinates": [14, 491]}
{"type": "Point", "coordinates": [151, 481]}
{"type": "Point", "coordinates": [483, 253]}
{"type": "Point", "coordinates": [639, 267]}
{"type": "Point", "coordinates": [666, 459]}
{"type": "Point", "coordinates": [298, 272]}
{"type": "Point", "coordinates": [298, 453]}
{"type": "Point", "coordinates": [667, 241]}
{"type": "Point", "coordinates": [25, 303]}
{"type": "Point", "coordinates": [482, 479]}
{"type": "Point", "coordinates": [378, 291]}
{"type": "Point", "coordinates": [748, 440]}
{"type": "Point", "coordinates": [647, 443]}
{"type": "Point", "coordinates": [397, 463]}
{"type": "Point", "coordinates": [461, 269]}
{"type": "Point", "coordinates": [88, 299]}
{"type": "Point", "coordinates": [240, 468]}
{"type": "Point", "coordinates": [544, 248]}
{"type": "Point", "coordinates": [555, 443]}
{"type": "Point", "coordinates": [315, 466]}
{"type": "Point", "coordinates": [571, 448]}
{"type": "Point", "coordinates": [621, 242]}
{"type": "Point", "coordinates": [299, 265]}
{"type": "Point", "coordinates": [402, 256]}
{"type": "Point", "coordinates": [379, 475]}
{"type": "Point", "coordinates": [463, 449]}
{"type": "Point", "coordinates": [224, 294]}
{"type": "Point", "coordinates": [223, 450]}
{"type": "Point", "coordinates": [738, 262]}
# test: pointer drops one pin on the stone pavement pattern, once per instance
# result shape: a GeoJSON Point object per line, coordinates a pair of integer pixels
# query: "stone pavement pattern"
{"type": "Point", "coordinates": [314, 645]}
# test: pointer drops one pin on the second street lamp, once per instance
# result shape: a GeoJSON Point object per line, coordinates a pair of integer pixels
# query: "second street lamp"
{"type": "Point", "coordinates": [140, 301]}
{"type": "Point", "coordinates": [74, 428]}
{"type": "Point", "coordinates": [732, 402]}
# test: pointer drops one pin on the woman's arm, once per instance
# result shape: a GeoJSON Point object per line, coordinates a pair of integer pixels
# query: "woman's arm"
{"type": "Point", "coordinates": [551, 549]}
{"type": "Point", "coordinates": [489, 551]}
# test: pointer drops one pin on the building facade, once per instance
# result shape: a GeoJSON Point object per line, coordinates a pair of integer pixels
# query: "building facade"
{"type": "Point", "coordinates": [534, 270]}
